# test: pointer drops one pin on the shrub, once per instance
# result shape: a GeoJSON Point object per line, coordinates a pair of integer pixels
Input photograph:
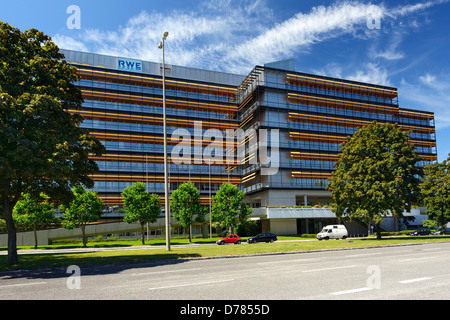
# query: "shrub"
{"type": "Point", "coordinates": [247, 228]}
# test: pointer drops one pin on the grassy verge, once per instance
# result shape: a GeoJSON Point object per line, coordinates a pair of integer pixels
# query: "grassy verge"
{"type": "Point", "coordinates": [71, 244]}
{"type": "Point", "coordinates": [38, 261]}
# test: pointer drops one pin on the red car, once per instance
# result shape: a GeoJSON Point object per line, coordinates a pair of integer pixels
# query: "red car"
{"type": "Point", "coordinates": [231, 238]}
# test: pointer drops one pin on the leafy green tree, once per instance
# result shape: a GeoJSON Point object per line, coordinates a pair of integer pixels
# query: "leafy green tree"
{"type": "Point", "coordinates": [140, 206]}
{"type": "Point", "coordinates": [86, 208]}
{"type": "Point", "coordinates": [42, 147]}
{"type": "Point", "coordinates": [34, 214]}
{"type": "Point", "coordinates": [376, 173]}
{"type": "Point", "coordinates": [436, 192]}
{"type": "Point", "coordinates": [186, 207]}
{"type": "Point", "coordinates": [228, 207]}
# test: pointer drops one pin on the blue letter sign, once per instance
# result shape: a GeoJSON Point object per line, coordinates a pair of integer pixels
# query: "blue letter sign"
{"type": "Point", "coordinates": [129, 65]}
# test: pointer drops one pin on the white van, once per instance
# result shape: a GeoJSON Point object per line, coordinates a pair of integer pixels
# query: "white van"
{"type": "Point", "coordinates": [333, 232]}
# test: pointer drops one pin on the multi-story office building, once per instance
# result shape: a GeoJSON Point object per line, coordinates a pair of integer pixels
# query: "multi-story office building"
{"type": "Point", "coordinates": [313, 115]}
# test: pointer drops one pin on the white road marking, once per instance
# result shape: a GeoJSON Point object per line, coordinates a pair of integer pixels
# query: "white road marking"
{"type": "Point", "coordinates": [417, 259]}
{"type": "Point", "coordinates": [167, 271]}
{"type": "Point", "coordinates": [351, 291]}
{"type": "Point", "coordinates": [191, 284]}
{"type": "Point", "coordinates": [22, 284]}
{"type": "Point", "coordinates": [362, 255]}
{"type": "Point", "coordinates": [326, 269]}
{"type": "Point", "coordinates": [284, 261]}
{"type": "Point", "coordinates": [414, 280]}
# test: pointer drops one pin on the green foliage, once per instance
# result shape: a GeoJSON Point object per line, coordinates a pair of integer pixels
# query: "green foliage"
{"type": "Point", "coordinates": [186, 207]}
{"type": "Point", "coordinates": [228, 206]}
{"type": "Point", "coordinates": [247, 228]}
{"type": "Point", "coordinates": [34, 214]}
{"type": "Point", "coordinates": [86, 208]}
{"type": "Point", "coordinates": [376, 172]}
{"type": "Point", "coordinates": [436, 192]}
{"type": "Point", "coordinates": [42, 147]}
{"type": "Point", "coordinates": [140, 206]}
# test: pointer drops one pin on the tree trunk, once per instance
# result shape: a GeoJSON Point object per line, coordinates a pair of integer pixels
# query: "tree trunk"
{"type": "Point", "coordinates": [142, 234]}
{"type": "Point", "coordinates": [378, 231]}
{"type": "Point", "coordinates": [83, 231]}
{"type": "Point", "coordinates": [13, 259]}
{"type": "Point", "coordinates": [190, 233]}
{"type": "Point", "coordinates": [35, 237]}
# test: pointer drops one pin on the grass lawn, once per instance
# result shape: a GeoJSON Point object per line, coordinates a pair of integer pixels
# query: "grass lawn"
{"type": "Point", "coordinates": [64, 259]}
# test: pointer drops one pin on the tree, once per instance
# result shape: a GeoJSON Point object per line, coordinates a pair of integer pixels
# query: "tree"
{"type": "Point", "coordinates": [140, 206]}
{"type": "Point", "coordinates": [42, 147]}
{"type": "Point", "coordinates": [228, 206]}
{"type": "Point", "coordinates": [376, 174]}
{"type": "Point", "coordinates": [436, 192]}
{"type": "Point", "coordinates": [86, 208]}
{"type": "Point", "coordinates": [186, 206]}
{"type": "Point", "coordinates": [34, 214]}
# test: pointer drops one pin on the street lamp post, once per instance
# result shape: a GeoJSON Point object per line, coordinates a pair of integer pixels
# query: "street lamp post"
{"type": "Point", "coordinates": [166, 176]}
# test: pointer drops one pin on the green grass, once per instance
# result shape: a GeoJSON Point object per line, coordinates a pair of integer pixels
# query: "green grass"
{"type": "Point", "coordinates": [71, 244]}
{"type": "Point", "coordinates": [57, 260]}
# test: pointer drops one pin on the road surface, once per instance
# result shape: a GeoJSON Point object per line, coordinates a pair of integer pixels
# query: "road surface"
{"type": "Point", "coordinates": [406, 272]}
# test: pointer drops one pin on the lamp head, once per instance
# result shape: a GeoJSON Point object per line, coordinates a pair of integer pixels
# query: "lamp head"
{"type": "Point", "coordinates": [166, 34]}
{"type": "Point", "coordinates": [160, 45]}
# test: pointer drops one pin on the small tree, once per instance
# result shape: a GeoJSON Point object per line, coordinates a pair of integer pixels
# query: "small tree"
{"type": "Point", "coordinates": [436, 192]}
{"type": "Point", "coordinates": [140, 206]}
{"type": "Point", "coordinates": [228, 206]}
{"type": "Point", "coordinates": [186, 206]}
{"type": "Point", "coordinates": [376, 173]}
{"type": "Point", "coordinates": [34, 214]}
{"type": "Point", "coordinates": [86, 208]}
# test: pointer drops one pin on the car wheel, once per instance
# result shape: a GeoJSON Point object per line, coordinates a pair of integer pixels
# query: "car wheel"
{"type": "Point", "coordinates": [344, 237]}
{"type": "Point", "coordinates": [271, 240]}
{"type": "Point", "coordinates": [221, 243]}
{"type": "Point", "coordinates": [327, 238]}
{"type": "Point", "coordinates": [238, 242]}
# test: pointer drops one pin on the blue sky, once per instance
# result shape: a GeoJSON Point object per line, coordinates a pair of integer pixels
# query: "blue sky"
{"type": "Point", "coordinates": [409, 49]}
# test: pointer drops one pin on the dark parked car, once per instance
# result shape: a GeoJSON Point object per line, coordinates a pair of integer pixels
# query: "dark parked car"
{"type": "Point", "coordinates": [263, 237]}
{"type": "Point", "coordinates": [421, 232]}
{"type": "Point", "coordinates": [441, 231]}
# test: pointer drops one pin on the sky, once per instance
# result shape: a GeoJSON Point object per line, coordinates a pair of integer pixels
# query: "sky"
{"type": "Point", "coordinates": [402, 44]}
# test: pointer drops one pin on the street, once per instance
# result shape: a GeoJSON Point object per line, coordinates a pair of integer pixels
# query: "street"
{"type": "Point", "coordinates": [402, 272]}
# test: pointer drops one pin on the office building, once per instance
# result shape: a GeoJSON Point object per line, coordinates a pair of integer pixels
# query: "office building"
{"type": "Point", "coordinates": [311, 115]}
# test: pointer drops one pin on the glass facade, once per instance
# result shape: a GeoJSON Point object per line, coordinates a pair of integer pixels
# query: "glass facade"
{"type": "Point", "coordinates": [313, 115]}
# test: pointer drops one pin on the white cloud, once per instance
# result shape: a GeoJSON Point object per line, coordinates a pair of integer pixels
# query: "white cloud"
{"type": "Point", "coordinates": [65, 42]}
{"type": "Point", "coordinates": [391, 52]}
{"type": "Point", "coordinates": [365, 72]}
{"type": "Point", "coordinates": [431, 93]}
{"type": "Point", "coordinates": [371, 73]}
{"type": "Point", "coordinates": [427, 79]}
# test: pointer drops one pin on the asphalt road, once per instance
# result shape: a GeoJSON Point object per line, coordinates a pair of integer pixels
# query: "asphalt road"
{"type": "Point", "coordinates": [406, 272]}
